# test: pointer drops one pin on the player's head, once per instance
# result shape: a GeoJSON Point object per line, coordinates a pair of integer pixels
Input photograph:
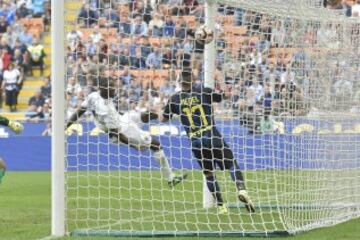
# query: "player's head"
{"type": "Point", "coordinates": [186, 78]}
{"type": "Point", "coordinates": [106, 88]}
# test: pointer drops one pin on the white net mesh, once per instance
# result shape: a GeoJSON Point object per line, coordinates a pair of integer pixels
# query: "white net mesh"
{"type": "Point", "coordinates": [290, 74]}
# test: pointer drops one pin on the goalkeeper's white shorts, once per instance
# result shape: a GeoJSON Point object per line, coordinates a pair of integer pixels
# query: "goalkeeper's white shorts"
{"type": "Point", "coordinates": [137, 137]}
{"type": "Point", "coordinates": [130, 126]}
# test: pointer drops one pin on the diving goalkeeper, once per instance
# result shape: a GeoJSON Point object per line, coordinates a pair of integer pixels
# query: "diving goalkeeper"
{"type": "Point", "coordinates": [17, 128]}
{"type": "Point", "coordinates": [124, 128]}
{"type": "Point", "coordinates": [194, 106]}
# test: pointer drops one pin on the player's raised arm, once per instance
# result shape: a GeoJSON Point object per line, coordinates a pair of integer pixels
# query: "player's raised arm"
{"type": "Point", "coordinates": [75, 116]}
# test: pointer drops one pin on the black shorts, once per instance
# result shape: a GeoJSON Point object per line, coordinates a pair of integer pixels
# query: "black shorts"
{"type": "Point", "coordinates": [11, 97]}
{"type": "Point", "coordinates": [212, 152]}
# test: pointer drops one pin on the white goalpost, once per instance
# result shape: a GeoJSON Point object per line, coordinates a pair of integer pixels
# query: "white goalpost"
{"type": "Point", "coordinates": [289, 71]}
{"type": "Point", "coordinates": [58, 152]}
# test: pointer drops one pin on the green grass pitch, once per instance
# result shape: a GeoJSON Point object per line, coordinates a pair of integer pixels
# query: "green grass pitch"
{"type": "Point", "coordinates": [25, 206]}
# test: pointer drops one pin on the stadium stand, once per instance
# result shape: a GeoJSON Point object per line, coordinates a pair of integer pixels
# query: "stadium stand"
{"type": "Point", "coordinates": [24, 23]}
{"type": "Point", "coordinates": [132, 41]}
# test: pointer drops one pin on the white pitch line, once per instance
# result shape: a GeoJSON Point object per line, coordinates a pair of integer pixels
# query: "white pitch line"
{"type": "Point", "coordinates": [48, 238]}
{"type": "Point", "coordinates": [142, 218]}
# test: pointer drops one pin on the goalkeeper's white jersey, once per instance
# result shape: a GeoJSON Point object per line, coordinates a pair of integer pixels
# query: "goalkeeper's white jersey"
{"type": "Point", "coordinates": [106, 116]}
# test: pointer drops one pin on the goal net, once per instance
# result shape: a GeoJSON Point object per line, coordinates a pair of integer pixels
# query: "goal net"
{"type": "Point", "coordinates": [289, 71]}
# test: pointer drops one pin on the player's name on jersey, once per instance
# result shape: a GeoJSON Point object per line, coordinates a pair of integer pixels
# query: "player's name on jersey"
{"type": "Point", "coordinates": [190, 101]}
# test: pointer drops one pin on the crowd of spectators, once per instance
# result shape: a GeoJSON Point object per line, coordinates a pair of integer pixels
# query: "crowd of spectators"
{"type": "Point", "coordinates": [19, 48]}
{"type": "Point", "coordinates": [263, 71]}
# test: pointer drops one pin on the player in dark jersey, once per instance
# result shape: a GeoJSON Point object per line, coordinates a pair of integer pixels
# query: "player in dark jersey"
{"type": "Point", "coordinates": [194, 106]}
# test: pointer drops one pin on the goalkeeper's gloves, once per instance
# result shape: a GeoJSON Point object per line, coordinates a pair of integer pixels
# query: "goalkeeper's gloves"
{"type": "Point", "coordinates": [16, 127]}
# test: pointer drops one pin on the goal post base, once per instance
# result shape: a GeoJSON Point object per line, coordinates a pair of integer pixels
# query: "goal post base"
{"type": "Point", "coordinates": [145, 234]}
{"type": "Point", "coordinates": [352, 206]}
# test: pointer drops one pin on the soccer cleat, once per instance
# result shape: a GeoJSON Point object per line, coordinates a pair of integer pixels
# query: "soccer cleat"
{"type": "Point", "coordinates": [244, 197]}
{"type": "Point", "coordinates": [17, 127]}
{"type": "Point", "coordinates": [223, 210]}
{"type": "Point", "coordinates": [177, 179]}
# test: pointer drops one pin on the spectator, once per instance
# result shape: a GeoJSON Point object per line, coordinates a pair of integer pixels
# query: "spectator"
{"type": "Point", "coordinates": [125, 25]}
{"type": "Point", "coordinates": [73, 37]}
{"type": "Point", "coordinates": [139, 8]}
{"type": "Point", "coordinates": [46, 88]}
{"type": "Point", "coordinates": [146, 47]}
{"type": "Point", "coordinates": [18, 58]}
{"type": "Point", "coordinates": [12, 81]}
{"type": "Point", "coordinates": [9, 11]}
{"type": "Point", "coordinates": [176, 7]}
{"type": "Point", "coordinates": [72, 104]}
{"type": "Point", "coordinates": [267, 124]}
{"type": "Point", "coordinates": [287, 76]}
{"type": "Point", "coordinates": [37, 100]}
{"type": "Point", "coordinates": [169, 27]}
{"type": "Point", "coordinates": [135, 43]}
{"type": "Point", "coordinates": [46, 112]}
{"type": "Point", "coordinates": [10, 36]}
{"type": "Point", "coordinates": [73, 87]}
{"type": "Point", "coordinates": [156, 26]}
{"type": "Point", "coordinates": [191, 7]}
{"type": "Point", "coordinates": [154, 59]}
{"type": "Point", "coordinates": [3, 24]}
{"type": "Point", "coordinates": [103, 48]}
{"type": "Point", "coordinates": [23, 11]}
{"type": "Point", "coordinates": [37, 55]}
{"type": "Point", "coordinates": [167, 88]}
{"type": "Point", "coordinates": [35, 104]}
{"type": "Point", "coordinates": [96, 35]}
{"type": "Point", "coordinates": [38, 8]}
{"type": "Point", "coordinates": [135, 90]}
{"type": "Point", "coordinates": [91, 48]}
{"type": "Point", "coordinates": [4, 45]}
{"type": "Point", "coordinates": [47, 15]}
{"type": "Point", "coordinates": [168, 58]}
{"type": "Point", "coordinates": [6, 59]}
{"type": "Point", "coordinates": [126, 77]}
{"type": "Point", "coordinates": [26, 37]}
{"type": "Point", "coordinates": [20, 46]}
{"type": "Point", "coordinates": [137, 61]}
{"type": "Point", "coordinates": [113, 57]}
{"type": "Point", "coordinates": [47, 131]}
{"type": "Point", "coordinates": [112, 18]}
{"type": "Point", "coordinates": [188, 46]}
{"type": "Point", "coordinates": [124, 58]}
{"type": "Point", "coordinates": [138, 27]}
{"type": "Point", "coordinates": [181, 28]}
{"type": "Point", "coordinates": [87, 16]}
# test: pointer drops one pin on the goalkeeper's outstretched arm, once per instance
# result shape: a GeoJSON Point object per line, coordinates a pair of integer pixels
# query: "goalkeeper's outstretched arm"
{"type": "Point", "coordinates": [148, 116]}
{"type": "Point", "coordinates": [75, 116]}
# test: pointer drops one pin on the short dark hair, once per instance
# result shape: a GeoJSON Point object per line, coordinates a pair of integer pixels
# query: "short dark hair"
{"type": "Point", "coordinates": [104, 82]}
{"type": "Point", "coordinates": [186, 73]}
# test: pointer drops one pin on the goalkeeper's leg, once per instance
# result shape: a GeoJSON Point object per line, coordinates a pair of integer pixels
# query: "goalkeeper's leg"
{"type": "Point", "coordinates": [165, 169]}
{"type": "Point", "coordinates": [141, 140]}
{"type": "Point", "coordinates": [2, 169]}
